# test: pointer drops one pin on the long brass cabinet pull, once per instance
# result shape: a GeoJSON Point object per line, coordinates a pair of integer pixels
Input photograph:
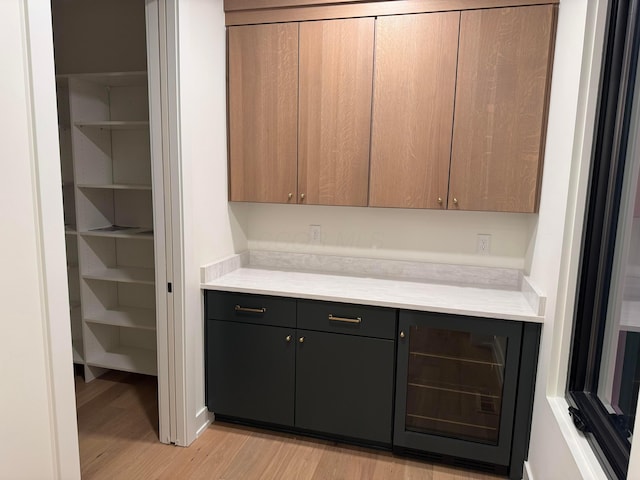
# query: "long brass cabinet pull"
{"type": "Point", "coordinates": [345, 320]}
{"type": "Point", "coordinates": [238, 308]}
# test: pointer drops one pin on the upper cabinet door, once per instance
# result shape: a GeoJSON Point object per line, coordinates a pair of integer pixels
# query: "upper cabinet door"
{"type": "Point", "coordinates": [336, 68]}
{"type": "Point", "coordinates": [415, 78]}
{"type": "Point", "coordinates": [263, 112]}
{"type": "Point", "coordinates": [500, 112]}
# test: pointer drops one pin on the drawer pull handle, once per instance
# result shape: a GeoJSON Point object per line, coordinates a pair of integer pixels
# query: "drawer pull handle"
{"type": "Point", "coordinates": [345, 320]}
{"type": "Point", "coordinates": [238, 308]}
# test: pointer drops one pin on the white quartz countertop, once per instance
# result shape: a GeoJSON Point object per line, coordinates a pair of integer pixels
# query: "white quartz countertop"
{"type": "Point", "coordinates": [489, 302]}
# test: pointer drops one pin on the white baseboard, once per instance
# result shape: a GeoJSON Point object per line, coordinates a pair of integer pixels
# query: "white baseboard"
{"type": "Point", "coordinates": [526, 472]}
{"type": "Point", "coordinates": [204, 419]}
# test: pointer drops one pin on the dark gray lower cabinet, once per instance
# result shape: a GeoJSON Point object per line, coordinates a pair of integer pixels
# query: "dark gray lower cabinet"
{"type": "Point", "coordinates": [334, 376]}
{"type": "Point", "coordinates": [251, 371]}
{"type": "Point", "coordinates": [344, 385]}
{"type": "Point", "coordinates": [446, 386]}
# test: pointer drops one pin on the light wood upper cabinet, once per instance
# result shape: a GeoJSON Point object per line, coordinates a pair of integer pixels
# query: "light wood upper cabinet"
{"type": "Point", "coordinates": [263, 112]}
{"type": "Point", "coordinates": [336, 68]}
{"type": "Point", "coordinates": [415, 78]}
{"type": "Point", "coordinates": [504, 66]}
{"type": "Point", "coordinates": [419, 110]}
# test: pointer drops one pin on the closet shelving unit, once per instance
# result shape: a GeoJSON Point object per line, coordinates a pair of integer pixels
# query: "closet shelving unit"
{"type": "Point", "coordinates": [113, 222]}
{"type": "Point", "coordinates": [69, 209]}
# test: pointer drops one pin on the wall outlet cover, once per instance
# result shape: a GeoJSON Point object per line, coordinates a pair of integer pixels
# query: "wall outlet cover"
{"type": "Point", "coordinates": [483, 244]}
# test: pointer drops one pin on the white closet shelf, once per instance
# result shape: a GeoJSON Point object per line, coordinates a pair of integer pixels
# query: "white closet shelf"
{"type": "Point", "coordinates": [116, 124]}
{"type": "Point", "coordinates": [130, 317]}
{"type": "Point", "coordinates": [123, 275]}
{"type": "Point", "coordinates": [128, 359]}
{"type": "Point", "coordinates": [110, 79]}
{"type": "Point", "coordinates": [133, 234]}
{"type": "Point", "coordinates": [117, 186]}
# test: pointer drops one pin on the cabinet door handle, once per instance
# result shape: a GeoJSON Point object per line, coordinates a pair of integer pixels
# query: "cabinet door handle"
{"type": "Point", "coordinates": [238, 308]}
{"type": "Point", "coordinates": [288, 338]}
{"type": "Point", "coordinates": [344, 319]}
{"type": "Point", "coordinates": [301, 339]}
{"type": "Point", "coordinates": [402, 335]}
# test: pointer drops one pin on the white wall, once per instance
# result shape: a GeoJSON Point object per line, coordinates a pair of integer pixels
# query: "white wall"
{"type": "Point", "coordinates": [557, 450]}
{"type": "Point", "coordinates": [402, 234]}
{"type": "Point", "coordinates": [212, 229]}
{"type": "Point", "coordinates": [37, 404]}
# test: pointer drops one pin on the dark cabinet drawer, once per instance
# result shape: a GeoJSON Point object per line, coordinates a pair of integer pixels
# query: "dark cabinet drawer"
{"type": "Point", "coordinates": [247, 308]}
{"type": "Point", "coordinates": [346, 318]}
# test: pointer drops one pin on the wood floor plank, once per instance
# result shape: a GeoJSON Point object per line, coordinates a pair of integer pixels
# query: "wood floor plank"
{"type": "Point", "coordinates": [217, 450]}
{"type": "Point", "coordinates": [118, 433]}
{"type": "Point", "coordinates": [298, 460]}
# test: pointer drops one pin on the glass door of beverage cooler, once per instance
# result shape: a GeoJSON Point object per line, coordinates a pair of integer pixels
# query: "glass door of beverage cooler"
{"type": "Point", "coordinates": [456, 385]}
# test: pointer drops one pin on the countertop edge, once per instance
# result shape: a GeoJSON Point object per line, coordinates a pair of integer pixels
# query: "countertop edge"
{"type": "Point", "coordinates": [376, 303]}
{"type": "Point", "coordinates": [212, 277]}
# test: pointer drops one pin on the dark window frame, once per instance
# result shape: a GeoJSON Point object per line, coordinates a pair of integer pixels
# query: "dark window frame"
{"type": "Point", "coordinates": [615, 100]}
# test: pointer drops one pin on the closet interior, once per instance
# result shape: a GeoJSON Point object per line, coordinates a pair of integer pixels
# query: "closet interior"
{"type": "Point", "coordinates": [106, 164]}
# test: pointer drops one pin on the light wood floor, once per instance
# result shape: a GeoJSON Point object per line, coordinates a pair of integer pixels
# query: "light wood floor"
{"type": "Point", "coordinates": [117, 423]}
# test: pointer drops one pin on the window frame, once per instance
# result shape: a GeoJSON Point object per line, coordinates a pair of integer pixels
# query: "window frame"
{"type": "Point", "coordinates": [613, 118]}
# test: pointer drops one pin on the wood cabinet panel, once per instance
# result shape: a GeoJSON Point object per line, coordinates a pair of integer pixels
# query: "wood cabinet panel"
{"type": "Point", "coordinates": [336, 68]}
{"type": "Point", "coordinates": [263, 112]}
{"type": "Point", "coordinates": [500, 112]}
{"type": "Point", "coordinates": [414, 89]}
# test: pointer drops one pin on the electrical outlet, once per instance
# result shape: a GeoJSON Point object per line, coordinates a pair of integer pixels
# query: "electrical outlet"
{"type": "Point", "coordinates": [315, 234]}
{"type": "Point", "coordinates": [483, 244]}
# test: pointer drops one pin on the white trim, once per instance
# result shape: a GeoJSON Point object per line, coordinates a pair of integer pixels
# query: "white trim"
{"type": "Point", "coordinates": [577, 196]}
{"type": "Point", "coordinates": [583, 454]}
{"type": "Point", "coordinates": [526, 472]}
{"type": "Point", "coordinates": [204, 418]}
{"type": "Point", "coordinates": [161, 221]}
{"type": "Point", "coordinates": [53, 286]}
{"type": "Point", "coordinates": [177, 336]}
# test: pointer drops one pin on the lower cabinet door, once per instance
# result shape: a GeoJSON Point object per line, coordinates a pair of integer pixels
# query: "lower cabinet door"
{"type": "Point", "coordinates": [456, 385]}
{"type": "Point", "coordinates": [344, 385]}
{"type": "Point", "coordinates": [251, 371]}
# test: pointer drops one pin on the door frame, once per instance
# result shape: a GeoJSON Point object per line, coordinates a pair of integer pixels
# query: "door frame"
{"type": "Point", "coordinates": [163, 80]}
{"type": "Point", "coordinates": [161, 217]}
{"type": "Point", "coordinates": [163, 67]}
{"type": "Point", "coordinates": [41, 94]}
{"type": "Point", "coordinates": [161, 25]}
